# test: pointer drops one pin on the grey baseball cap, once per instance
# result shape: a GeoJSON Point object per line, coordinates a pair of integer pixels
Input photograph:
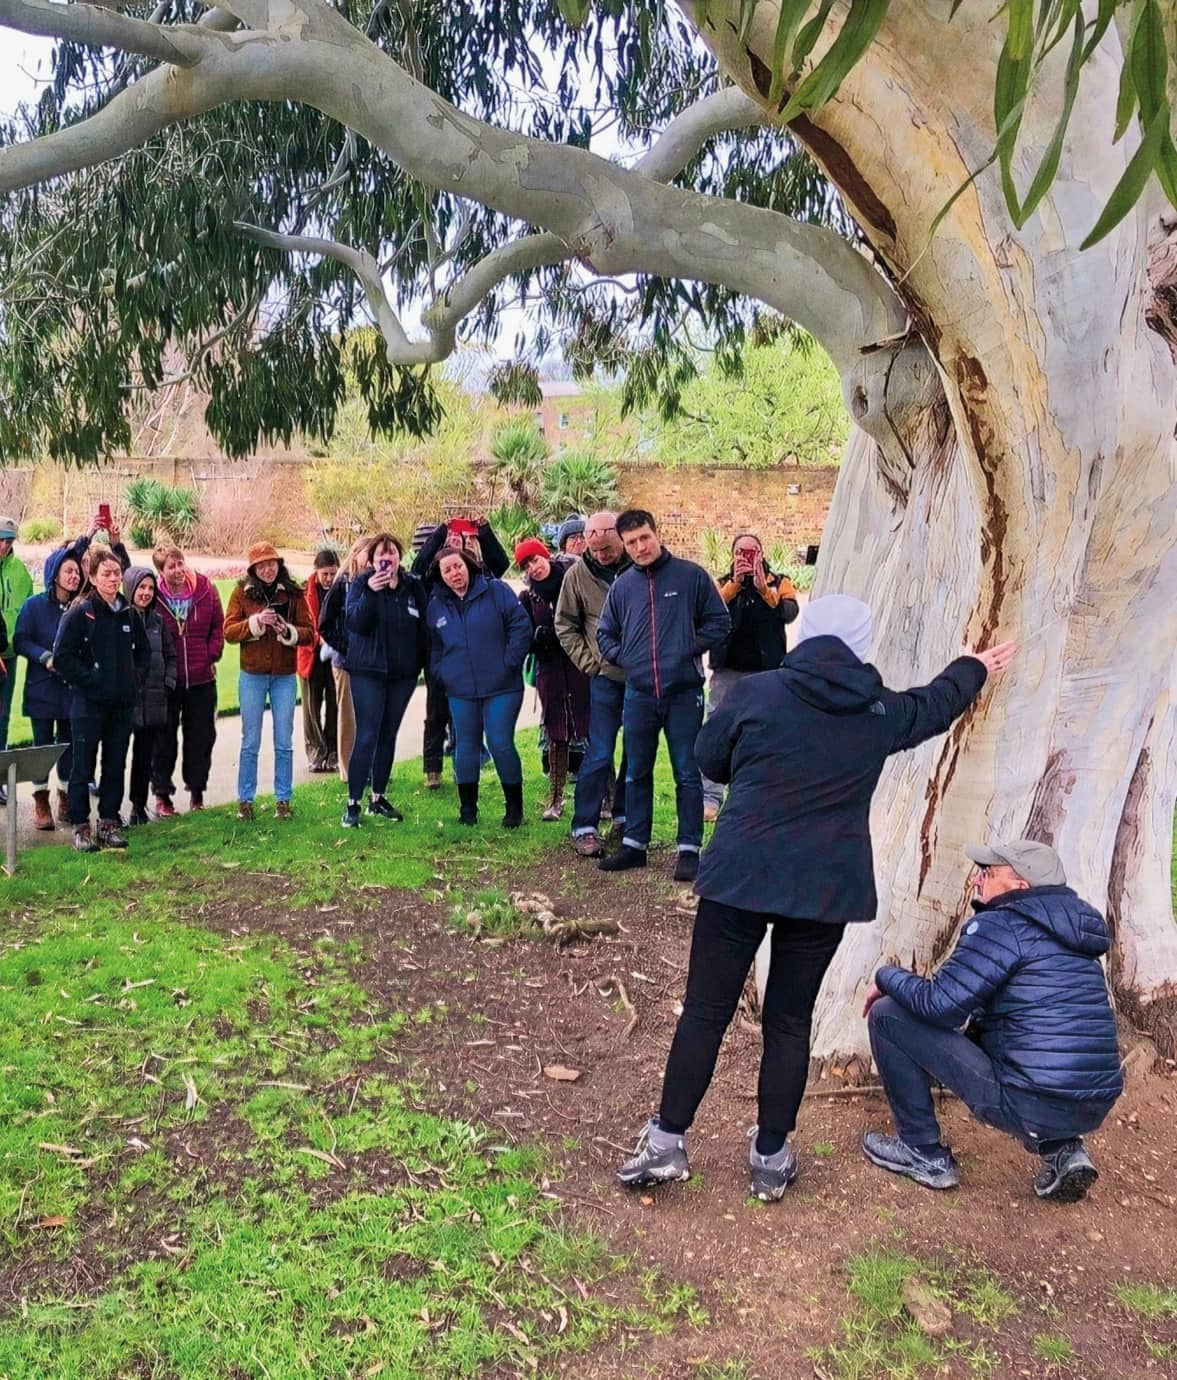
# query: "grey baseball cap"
{"type": "Point", "coordinates": [1037, 862]}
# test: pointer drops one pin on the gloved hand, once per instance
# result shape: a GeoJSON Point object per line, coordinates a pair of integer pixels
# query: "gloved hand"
{"type": "Point", "coordinates": [544, 642]}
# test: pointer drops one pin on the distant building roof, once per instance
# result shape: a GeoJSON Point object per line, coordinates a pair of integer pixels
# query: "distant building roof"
{"type": "Point", "coordinates": [560, 388]}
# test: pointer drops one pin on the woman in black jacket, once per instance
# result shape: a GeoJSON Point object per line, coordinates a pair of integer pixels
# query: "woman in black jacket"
{"type": "Point", "coordinates": [385, 621]}
{"type": "Point", "coordinates": [101, 651]}
{"type": "Point", "coordinates": [803, 748]}
{"type": "Point", "coordinates": [151, 702]}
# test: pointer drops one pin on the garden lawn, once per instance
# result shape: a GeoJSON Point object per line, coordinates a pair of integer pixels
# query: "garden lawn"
{"type": "Point", "coordinates": [20, 731]}
{"type": "Point", "coordinates": [345, 1231]}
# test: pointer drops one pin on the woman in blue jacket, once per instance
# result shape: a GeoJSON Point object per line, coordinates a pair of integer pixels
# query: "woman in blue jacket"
{"type": "Point", "coordinates": [47, 696]}
{"type": "Point", "coordinates": [479, 636]}
{"type": "Point", "coordinates": [385, 621]}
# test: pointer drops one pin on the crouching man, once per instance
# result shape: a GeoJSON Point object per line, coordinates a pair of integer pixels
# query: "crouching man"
{"type": "Point", "coordinates": [1038, 1059]}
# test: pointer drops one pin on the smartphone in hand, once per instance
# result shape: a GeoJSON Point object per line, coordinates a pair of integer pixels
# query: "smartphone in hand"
{"type": "Point", "coordinates": [104, 517]}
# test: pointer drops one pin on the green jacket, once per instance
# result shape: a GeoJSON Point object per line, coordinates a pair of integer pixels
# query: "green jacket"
{"type": "Point", "coordinates": [16, 585]}
{"type": "Point", "coordinates": [578, 611]}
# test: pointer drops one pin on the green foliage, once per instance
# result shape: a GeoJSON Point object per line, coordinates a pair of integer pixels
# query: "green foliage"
{"type": "Point", "coordinates": [487, 913]}
{"type": "Point", "coordinates": [1152, 1301]}
{"type": "Point", "coordinates": [786, 404]}
{"type": "Point", "coordinates": [512, 523]}
{"type": "Point", "coordinates": [518, 457]}
{"type": "Point", "coordinates": [40, 529]}
{"type": "Point", "coordinates": [160, 511]}
{"type": "Point", "coordinates": [577, 481]}
{"type": "Point", "coordinates": [1053, 1348]}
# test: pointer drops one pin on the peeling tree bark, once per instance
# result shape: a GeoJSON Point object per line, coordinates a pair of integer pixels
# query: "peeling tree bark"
{"type": "Point", "coordinates": [1044, 506]}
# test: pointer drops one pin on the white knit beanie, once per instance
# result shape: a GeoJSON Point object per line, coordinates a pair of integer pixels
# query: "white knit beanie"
{"type": "Point", "coordinates": [841, 616]}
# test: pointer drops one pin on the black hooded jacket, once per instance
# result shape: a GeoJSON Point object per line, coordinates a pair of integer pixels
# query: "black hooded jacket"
{"type": "Point", "coordinates": [803, 749]}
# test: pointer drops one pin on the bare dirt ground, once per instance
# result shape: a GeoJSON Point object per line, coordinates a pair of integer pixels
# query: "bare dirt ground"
{"type": "Point", "coordinates": [773, 1279]}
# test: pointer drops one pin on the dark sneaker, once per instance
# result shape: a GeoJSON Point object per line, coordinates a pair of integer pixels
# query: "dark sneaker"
{"type": "Point", "coordinates": [84, 840]}
{"type": "Point", "coordinates": [892, 1154]}
{"type": "Point", "coordinates": [139, 816]}
{"type": "Point", "coordinates": [164, 809]}
{"type": "Point", "coordinates": [283, 810]}
{"type": "Point", "coordinates": [1067, 1174]}
{"type": "Point", "coordinates": [377, 805]}
{"type": "Point", "coordinates": [195, 801]}
{"type": "Point", "coordinates": [686, 869]}
{"type": "Point", "coordinates": [659, 1158]}
{"type": "Point", "coordinates": [771, 1174]}
{"type": "Point", "coordinates": [244, 811]}
{"type": "Point", "coordinates": [624, 859]}
{"type": "Point", "coordinates": [351, 815]}
{"type": "Point", "coordinates": [587, 845]}
{"type": "Point", "coordinates": [110, 834]}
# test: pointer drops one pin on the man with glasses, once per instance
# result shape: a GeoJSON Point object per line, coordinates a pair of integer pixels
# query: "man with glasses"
{"type": "Point", "coordinates": [578, 611]}
{"type": "Point", "coordinates": [1017, 1023]}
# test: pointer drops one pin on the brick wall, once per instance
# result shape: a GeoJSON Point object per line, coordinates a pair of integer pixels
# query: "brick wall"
{"type": "Point", "coordinates": [690, 500]}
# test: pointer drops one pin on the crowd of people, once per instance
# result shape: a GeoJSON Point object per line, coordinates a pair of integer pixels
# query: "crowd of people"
{"type": "Point", "coordinates": [783, 753]}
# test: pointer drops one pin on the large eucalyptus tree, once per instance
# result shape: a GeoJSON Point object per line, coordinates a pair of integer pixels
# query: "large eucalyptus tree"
{"type": "Point", "coordinates": [237, 183]}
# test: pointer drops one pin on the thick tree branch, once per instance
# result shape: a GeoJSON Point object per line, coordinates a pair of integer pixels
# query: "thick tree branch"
{"type": "Point", "coordinates": [96, 27]}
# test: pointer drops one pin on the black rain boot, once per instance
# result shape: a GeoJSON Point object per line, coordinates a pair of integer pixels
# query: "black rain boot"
{"type": "Point", "coordinates": [468, 797]}
{"type": "Point", "coordinates": [513, 795]}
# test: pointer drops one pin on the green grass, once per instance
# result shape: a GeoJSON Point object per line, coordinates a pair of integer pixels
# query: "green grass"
{"type": "Point", "coordinates": [212, 1125]}
{"type": "Point", "coordinates": [1150, 1301]}
{"type": "Point", "coordinates": [879, 1337]}
{"type": "Point", "coordinates": [1053, 1348]}
{"type": "Point", "coordinates": [20, 731]}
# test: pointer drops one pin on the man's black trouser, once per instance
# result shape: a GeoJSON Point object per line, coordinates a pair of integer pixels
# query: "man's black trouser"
{"type": "Point", "coordinates": [911, 1054]}
{"type": "Point", "coordinates": [722, 949]}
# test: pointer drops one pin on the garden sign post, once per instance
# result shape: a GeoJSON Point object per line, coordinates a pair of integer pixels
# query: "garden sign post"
{"type": "Point", "coordinates": [24, 764]}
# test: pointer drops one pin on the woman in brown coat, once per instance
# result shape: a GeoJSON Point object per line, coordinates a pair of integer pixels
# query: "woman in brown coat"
{"type": "Point", "coordinates": [268, 617]}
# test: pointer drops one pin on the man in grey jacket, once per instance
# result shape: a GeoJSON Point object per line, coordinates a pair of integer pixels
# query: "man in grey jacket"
{"type": "Point", "coordinates": [578, 611]}
{"type": "Point", "coordinates": [660, 617]}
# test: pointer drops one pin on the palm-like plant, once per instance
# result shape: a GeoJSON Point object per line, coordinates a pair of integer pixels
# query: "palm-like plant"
{"type": "Point", "coordinates": [518, 455]}
{"type": "Point", "coordinates": [577, 482]}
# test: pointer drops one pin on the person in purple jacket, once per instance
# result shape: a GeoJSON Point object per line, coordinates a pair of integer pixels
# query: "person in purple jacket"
{"type": "Point", "coordinates": [191, 610]}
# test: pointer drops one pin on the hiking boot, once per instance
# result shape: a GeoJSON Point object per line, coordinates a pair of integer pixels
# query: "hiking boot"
{"type": "Point", "coordinates": [139, 815]}
{"type": "Point", "coordinates": [94, 789]}
{"type": "Point", "coordinates": [686, 867]}
{"type": "Point", "coordinates": [624, 859]}
{"type": "Point", "coordinates": [710, 812]}
{"type": "Point", "coordinates": [63, 807]}
{"type": "Point", "coordinates": [84, 840]}
{"type": "Point", "coordinates": [164, 809]}
{"type": "Point", "coordinates": [513, 816]}
{"type": "Point", "coordinates": [377, 805]}
{"type": "Point", "coordinates": [897, 1157]}
{"type": "Point", "coordinates": [351, 815]}
{"type": "Point", "coordinates": [283, 810]}
{"type": "Point", "coordinates": [771, 1174]}
{"type": "Point", "coordinates": [587, 845]}
{"type": "Point", "coordinates": [42, 814]}
{"type": "Point", "coordinates": [1066, 1174]}
{"type": "Point", "coordinates": [195, 801]}
{"type": "Point", "coordinates": [245, 811]}
{"type": "Point", "coordinates": [433, 781]}
{"type": "Point", "coordinates": [468, 796]}
{"type": "Point", "coordinates": [659, 1158]}
{"type": "Point", "coordinates": [554, 809]}
{"type": "Point", "coordinates": [110, 834]}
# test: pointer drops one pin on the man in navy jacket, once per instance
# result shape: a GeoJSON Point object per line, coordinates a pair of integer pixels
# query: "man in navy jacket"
{"type": "Point", "coordinates": [1039, 1058]}
{"type": "Point", "coordinates": [659, 618]}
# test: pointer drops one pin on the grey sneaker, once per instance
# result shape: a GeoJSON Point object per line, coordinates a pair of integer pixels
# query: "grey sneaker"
{"type": "Point", "coordinates": [892, 1154]}
{"type": "Point", "coordinates": [658, 1159]}
{"type": "Point", "coordinates": [1067, 1174]}
{"type": "Point", "coordinates": [771, 1174]}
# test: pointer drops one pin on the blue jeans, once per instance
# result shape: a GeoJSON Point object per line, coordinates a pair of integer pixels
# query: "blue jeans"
{"type": "Point", "coordinates": [910, 1054]}
{"type": "Point", "coordinates": [7, 685]}
{"type": "Point", "coordinates": [606, 702]}
{"type": "Point", "coordinates": [379, 707]}
{"type": "Point", "coordinates": [679, 715]}
{"type": "Point", "coordinates": [254, 690]}
{"type": "Point", "coordinates": [496, 717]}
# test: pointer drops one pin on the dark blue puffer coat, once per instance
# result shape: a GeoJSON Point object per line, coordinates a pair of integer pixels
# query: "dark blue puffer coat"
{"type": "Point", "coordinates": [46, 696]}
{"type": "Point", "coordinates": [385, 628]}
{"type": "Point", "coordinates": [1026, 970]}
{"type": "Point", "coordinates": [477, 645]}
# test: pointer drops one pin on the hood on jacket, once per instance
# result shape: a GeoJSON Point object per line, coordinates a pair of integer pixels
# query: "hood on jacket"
{"type": "Point", "coordinates": [54, 561]}
{"type": "Point", "coordinates": [1060, 912]}
{"type": "Point", "coordinates": [134, 577]}
{"type": "Point", "coordinates": [825, 673]}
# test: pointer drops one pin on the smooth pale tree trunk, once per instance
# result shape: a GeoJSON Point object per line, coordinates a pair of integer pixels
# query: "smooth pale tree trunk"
{"type": "Point", "coordinates": [1038, 500]}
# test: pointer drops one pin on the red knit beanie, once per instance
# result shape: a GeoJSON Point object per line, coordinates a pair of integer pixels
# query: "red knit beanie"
{"type": "Point", "coordinates": [524, 551]}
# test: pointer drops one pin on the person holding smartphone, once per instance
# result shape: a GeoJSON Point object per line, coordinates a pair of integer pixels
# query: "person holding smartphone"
{"type": "Point", "coordinates": [267, 616]}
{"type": "Point", "coordinates": [385, 619]}
{"type": "Point", "coordinates": [760, 604]}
